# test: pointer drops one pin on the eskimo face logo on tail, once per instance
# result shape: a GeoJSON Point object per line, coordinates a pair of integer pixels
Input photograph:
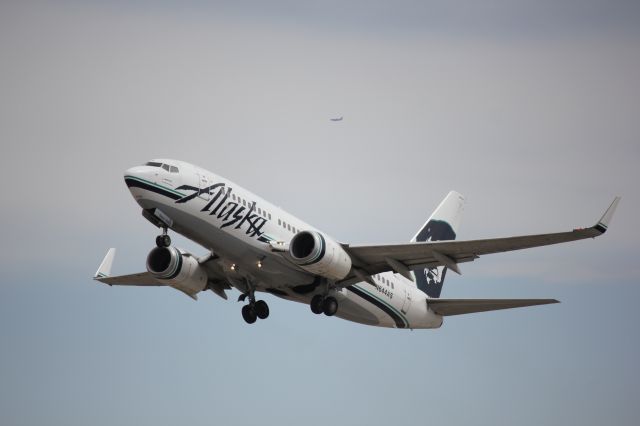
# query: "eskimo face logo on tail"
{"type": "Point", "coordinates": [227, 210]}
{"type": "Point", "coordinates": [430, 280]}
{"type": "Point", "coordinates": [433, 276]}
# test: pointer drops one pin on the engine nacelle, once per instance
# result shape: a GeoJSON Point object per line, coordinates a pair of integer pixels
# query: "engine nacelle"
{"type": "Point", "coordinates": [178, 269]}
{"type": "Point", "coordinates": [319, 255]}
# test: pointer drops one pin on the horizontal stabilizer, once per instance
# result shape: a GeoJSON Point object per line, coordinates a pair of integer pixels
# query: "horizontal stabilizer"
{"type": "Point", "coordinates": [448, 307]}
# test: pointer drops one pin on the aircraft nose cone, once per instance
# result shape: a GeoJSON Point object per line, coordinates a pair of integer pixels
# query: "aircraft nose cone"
{"type": "Point", "coordinates": [138, 177]}
{"type": "Point", "coordinates": [137, 171]}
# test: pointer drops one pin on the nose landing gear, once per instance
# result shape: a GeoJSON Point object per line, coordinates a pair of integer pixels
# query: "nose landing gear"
{"type": "Point", "coordinates": [163, 240]}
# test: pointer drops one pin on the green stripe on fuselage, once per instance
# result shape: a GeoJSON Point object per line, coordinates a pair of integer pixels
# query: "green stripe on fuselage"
{"type": "Point", "coordinates": [384, 303]}
{"type": "Point", "coordinates": [155, 184]}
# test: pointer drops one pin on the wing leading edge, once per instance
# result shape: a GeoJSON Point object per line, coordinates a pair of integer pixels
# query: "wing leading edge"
{"type": "Point", "coordinates": [144, 279]}
{"type": "Point", "coordinates": [370, 260]}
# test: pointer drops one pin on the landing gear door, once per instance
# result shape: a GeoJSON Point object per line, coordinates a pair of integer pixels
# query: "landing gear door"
{"type": "Point", "coordinates": [407, 301]}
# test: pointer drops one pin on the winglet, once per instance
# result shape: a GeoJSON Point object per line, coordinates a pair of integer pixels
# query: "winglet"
{"type": "Point", "coordinates": [604, 221]}
{"type": "Point", "coordinates": [105, 267]}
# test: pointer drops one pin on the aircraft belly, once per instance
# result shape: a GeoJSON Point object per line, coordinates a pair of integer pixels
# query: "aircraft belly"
{"type": "Point", "coordinates": [359, 303]}
{"type": "Point", "coordinates": [276, 270]}
{"type": "Point", "coordinates": [353, 309]}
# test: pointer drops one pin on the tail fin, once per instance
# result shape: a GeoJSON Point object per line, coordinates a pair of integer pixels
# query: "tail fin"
{"type": "Point", "coordinates": [442, 225]}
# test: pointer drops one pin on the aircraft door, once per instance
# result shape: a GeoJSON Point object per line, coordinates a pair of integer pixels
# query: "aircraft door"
{"type": "Point", "coordinates": [406, 304]}
{"type": "Point", "coordinates": [203, 184]}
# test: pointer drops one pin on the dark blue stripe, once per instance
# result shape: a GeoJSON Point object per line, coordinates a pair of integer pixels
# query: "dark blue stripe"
{"type": "Point", "coordinates": [396, 318]}
{"type": "Point", "coordinates": [138, 184]}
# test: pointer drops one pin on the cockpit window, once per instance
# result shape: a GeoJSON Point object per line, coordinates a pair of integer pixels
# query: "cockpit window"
{"type": "Point", "coordinates": [153, 164]}
{"type": "Point", "coordinates": [174, 169]}
{"type": "Point", "coordinates": [166, 167]}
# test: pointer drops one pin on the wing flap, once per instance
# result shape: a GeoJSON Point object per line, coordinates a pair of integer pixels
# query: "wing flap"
{"type": "Point", "coordinates": [448, 307]}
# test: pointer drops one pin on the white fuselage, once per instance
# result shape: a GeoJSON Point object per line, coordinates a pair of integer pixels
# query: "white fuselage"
{"type": "Point", "coordinates": [239, 227]}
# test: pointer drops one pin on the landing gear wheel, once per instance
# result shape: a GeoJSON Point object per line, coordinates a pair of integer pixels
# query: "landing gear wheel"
{"type": "Point", "coordinates": [330, 306]}
{"type": "Point", "coordinates": [163, 240]}
{"type": "Point", "coordinates": [316, 304]}
{"type": "Point", "coordinates": [261, 309]}
{"type": "Point", "coordinates": [249, 314]}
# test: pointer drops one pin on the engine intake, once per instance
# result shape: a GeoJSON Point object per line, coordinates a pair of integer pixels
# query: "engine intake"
{"type": "Point", "coordinates": [319, 255]}
{"type": "Point", "coordinates": [177, 268]}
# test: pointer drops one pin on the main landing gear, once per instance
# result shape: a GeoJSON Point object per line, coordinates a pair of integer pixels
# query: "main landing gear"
{"type": "Point", "coordinates": [327, 305]}
{"type": "Point", "coordinates": [254, 309]}
{"type": "Point", "coordinates": [163, 240]}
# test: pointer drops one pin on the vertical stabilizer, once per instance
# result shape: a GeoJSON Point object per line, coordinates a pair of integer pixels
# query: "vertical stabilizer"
{"type": "Point", "coordinates": [442, 225]}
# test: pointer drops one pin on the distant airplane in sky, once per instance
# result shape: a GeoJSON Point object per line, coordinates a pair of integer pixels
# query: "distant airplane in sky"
{"type": "Point", "coordinates": [255, 246]}
{"type": "Point", "coordinates": [337, 119]}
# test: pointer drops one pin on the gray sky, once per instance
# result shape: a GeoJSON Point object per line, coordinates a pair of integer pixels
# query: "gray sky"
{"type": "Point", "coordinates": [530, 109]}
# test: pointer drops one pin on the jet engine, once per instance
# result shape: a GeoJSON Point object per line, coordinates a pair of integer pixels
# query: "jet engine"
{"type": "Point", "coordinates": [319, 255]}
{"type": "Point", "coordinates": [178, 269]}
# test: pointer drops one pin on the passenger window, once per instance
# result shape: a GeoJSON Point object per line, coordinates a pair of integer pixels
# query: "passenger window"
{"type": "Point", "coordinates": [391, 285]}
{"type": "Point", "coordinates": [244, 203]}
{"type": "Point", "coordinates": [289, 227]}
{"type": "Point", "coordinates": [279, 222]}
{"type": "Point", "coordinates": [174, 169]}
{"type": "Point", "coordinates": [269, 216]}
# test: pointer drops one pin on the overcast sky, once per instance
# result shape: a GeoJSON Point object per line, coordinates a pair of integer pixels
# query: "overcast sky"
{"type": "Point", "coordinates": [531, 109]}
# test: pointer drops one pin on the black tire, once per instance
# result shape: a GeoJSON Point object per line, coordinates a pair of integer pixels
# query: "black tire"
{"type": "Point", "coordinates": [159, 241]}
{"type": "Point", "coordinates": [166, 240]}
{"type": "Point", "coordinates": [316, 304]}
{"type": "Point", "coordinates": [330, 306]}
{"type": "Point", "coordinates": [249, 314]}
{"type": "Point", "coordinates": [261, 309]}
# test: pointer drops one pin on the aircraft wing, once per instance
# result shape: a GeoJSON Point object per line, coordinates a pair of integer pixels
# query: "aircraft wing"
{"type": "Point", "coordinates": [448, 307]}
{"type": "Point", "coordinates": [402, 258]}
{"type": "Point", "coordinates": [139, 279]}
{"type": "Point", "coordinates": [103, 274]}
{"type": "Point", "coordinates": [216, 282]}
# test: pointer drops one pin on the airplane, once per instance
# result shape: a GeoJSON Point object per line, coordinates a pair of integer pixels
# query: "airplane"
{"type": "Point", "coordinates": [336, 119]}
{"type": "Point", "coordinates": [256, 248]}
